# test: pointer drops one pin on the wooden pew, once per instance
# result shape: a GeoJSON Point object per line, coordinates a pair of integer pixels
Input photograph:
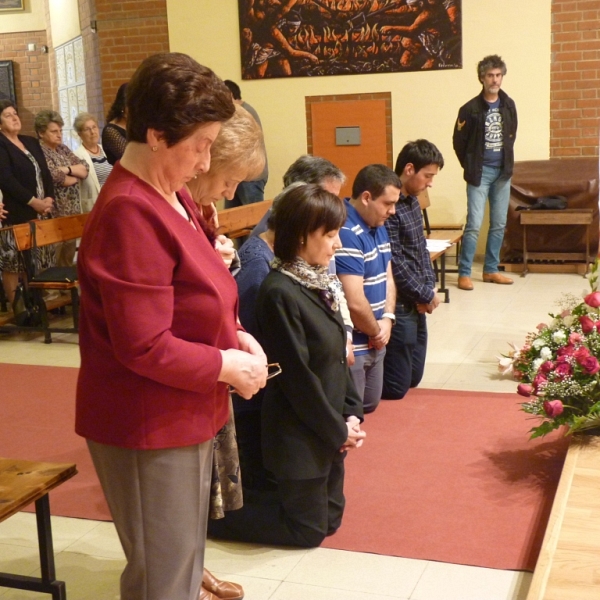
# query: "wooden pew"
{"type": "Point", "coordinates": [21, 483]}
{"type": "Point", "coordinates": [50, 231]}
{"type": "Point", "coordinates": [238, 222]}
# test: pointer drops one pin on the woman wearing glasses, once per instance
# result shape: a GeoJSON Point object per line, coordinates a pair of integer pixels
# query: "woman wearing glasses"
{"type": "Point", "coordinates": [311, 412]}
{"type": "Point", "coordinates": [91, 151]}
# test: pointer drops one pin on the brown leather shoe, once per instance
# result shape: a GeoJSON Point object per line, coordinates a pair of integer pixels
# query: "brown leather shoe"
{"type": "Point", "coordinates": [497, 278]}
{"type": "Point", "coordinates": [206, 595]}
{"type": "Point", "coordinates": [465, 283]}
{"type": "Point", "coordinates": [225, 590]}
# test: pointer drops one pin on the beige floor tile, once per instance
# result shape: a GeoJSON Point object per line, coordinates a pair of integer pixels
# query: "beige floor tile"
{"type": "Point", "coordinates": [101, 541]}
{"type": "Point", "coordinates": [21, 530]}
{"type": "Point", "coordinates": [297, 591]}
{"type": "Point", "coordinates": [19, 560]}
{"type": "Point", "coordinates": [358, 572]}
{"type": "Point", "coordinates": [442, 581]}
{"type": "Point", "coordinates": [62, 352]}
{"type": "Point", "coordinates": [265, 562]}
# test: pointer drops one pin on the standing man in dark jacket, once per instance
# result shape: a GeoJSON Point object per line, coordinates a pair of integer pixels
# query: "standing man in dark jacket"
{"type": "Point", "coordinates": [484, 138]}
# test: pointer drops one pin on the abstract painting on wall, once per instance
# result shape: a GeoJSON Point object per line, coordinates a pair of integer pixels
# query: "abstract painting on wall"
{"type": "Point", "coordinates": [310, 38]}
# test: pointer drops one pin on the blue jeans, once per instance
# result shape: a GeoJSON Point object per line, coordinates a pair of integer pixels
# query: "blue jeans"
{"type": "Point", "coordinates": [367, 374]}
{"type": "Point", "coordinates": [405, 353]}
{"type": "Point", "coordinates": [497, 188]}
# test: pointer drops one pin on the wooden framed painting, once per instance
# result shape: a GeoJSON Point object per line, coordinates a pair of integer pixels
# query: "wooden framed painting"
{"type": "Point", "coordinates": [11, 5]}
{"type": "Point", "coordinates": [311, 38]}
{"type": "Point", "coordinates": [7, 81]}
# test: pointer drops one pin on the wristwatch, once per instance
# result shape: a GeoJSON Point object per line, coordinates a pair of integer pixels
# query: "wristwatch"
{"type": "Point", "coordinates": [390, 316]}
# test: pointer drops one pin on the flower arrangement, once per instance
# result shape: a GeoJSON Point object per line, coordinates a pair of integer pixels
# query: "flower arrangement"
{"type": "Point", "coordinates": [559, 368]}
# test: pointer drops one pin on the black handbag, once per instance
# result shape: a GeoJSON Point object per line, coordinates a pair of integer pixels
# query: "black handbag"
{"type": "Point", "coordinates": [546, 203]}
{"type": "Point", "coordinates": [25, 309]}
{"type": "Point", "coordinates": [51, 274]}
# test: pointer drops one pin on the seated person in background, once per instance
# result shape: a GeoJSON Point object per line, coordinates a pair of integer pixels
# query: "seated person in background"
{"type": "Point", "coordinates": [311, 412]}
{"type": "Point", "coordinates": [416, 294]}
{"type": "Point", "coordinates": [309, 169]}
{"type": "Point", "coordinates": [91, 151]}
{"type": "Point", "coordinates": [363, 266]}
{"type": "Point", "coordinates": [114, 134]}
{"type": "Point", "coordinates": [67, 171]}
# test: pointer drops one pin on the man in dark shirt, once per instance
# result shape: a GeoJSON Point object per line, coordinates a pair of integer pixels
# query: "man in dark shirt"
{"type": "Point", "coordinates": [416, 293]}
{"type": "Point", "coordinates": [484, 137]}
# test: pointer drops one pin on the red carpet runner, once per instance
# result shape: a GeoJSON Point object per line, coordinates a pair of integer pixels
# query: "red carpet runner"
{"type": "Point", "coordinates": [446, 476]}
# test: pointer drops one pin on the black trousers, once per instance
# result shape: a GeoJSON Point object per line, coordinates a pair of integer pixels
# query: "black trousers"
{"type": "Point", "coordinates": [301, 512]}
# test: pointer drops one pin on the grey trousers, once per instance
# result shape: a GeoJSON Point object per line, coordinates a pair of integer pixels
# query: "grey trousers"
{"type": "Point", "coordinates": [159, 503]}
{"type": "Point", "coordinates": [367, 374]}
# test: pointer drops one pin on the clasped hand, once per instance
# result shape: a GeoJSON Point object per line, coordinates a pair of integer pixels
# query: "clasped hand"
{"type": "Point", "coordinates": [355, 434]}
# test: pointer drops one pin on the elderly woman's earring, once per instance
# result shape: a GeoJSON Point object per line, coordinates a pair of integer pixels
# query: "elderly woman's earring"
{"type": "Point", "coordinates": [154, 148]}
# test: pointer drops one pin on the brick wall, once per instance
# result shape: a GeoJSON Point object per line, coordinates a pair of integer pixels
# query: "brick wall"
{"type": "Point", "coordinates": [32, 73]}
{"type": "Point", "coordinates": [575, 78]}
{"type": "Point", "coordinates": [128, 32]}
{"type": "Point", "coordinates": [93, 75]}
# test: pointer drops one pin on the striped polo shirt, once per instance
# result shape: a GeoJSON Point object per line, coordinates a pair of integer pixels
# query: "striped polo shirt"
{"type": "Point", "coordinates": [366, 252]}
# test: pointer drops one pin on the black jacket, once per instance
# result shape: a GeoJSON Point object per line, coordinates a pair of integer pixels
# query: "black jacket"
{"type": "Point", "coordinates": [17, 178]}
{"type": "Point", "coordinates": [469, 132]}
{"type": "Point", "coordinates": [304, 408]}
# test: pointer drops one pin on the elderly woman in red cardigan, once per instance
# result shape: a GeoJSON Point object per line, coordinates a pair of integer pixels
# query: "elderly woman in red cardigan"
{"type": "Point", "coordinates": [159, 336]}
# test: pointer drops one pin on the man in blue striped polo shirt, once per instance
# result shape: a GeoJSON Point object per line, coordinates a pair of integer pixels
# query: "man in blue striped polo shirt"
{"type": "Point", "coordinates": [363, 266]}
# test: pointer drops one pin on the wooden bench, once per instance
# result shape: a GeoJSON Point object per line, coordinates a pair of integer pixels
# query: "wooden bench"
{"type": "Point", "coordinates": [452, 233]}
{"type": "Point", "coordinates": [21, 483]}
{"type": "Point", "coordinates": [570, 217]}
{"type": "Point", "coordinates": [240, 221]}
{"type": "Point", "coordinates": [49, 231]}
{"type": "Point", "coordinates": [568, 567]}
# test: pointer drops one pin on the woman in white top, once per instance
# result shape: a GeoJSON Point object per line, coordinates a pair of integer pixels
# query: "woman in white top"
{"type": "Point", "coordinates": [91, 151]}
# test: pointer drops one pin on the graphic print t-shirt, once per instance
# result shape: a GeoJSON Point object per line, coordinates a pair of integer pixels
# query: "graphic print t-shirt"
{"type": "Point", "coordinates": [493, 152]}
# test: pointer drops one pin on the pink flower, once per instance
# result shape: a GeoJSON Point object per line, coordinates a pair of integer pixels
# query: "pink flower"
{"type": "Point", "coordinates": [593, 299]}
{"type": "Point", "coordinates": [541, 326]}
{"type": "Point", "coordinates": [517, 374]}
{"type": "Point", "coordinates": [587, 325]}
{"type": "Point", "coordinates": [539, 382]}
{"type": "Point", "coordinates": [553, 408]}
{"type": "Point", "coordinates": [547, 367]}
{"type": "Point", "coordinates": [575, 338]}
{"type": "Point", "coordinates": [524, 389]}
{"type": "Point", "coordinates": [565, 313]}
{"type": "Point", "coordinates": [563, 370]}
{"type": "Point", "coordinates": [581, 354]}
{"type": "Point", "coordinates": [567, 350]}
{"type": "Point", "coordinates": [590, 365]}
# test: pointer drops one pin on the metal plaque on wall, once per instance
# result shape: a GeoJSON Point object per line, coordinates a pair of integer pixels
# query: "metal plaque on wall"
{"type": "Point", "coordinates": [7, 81]}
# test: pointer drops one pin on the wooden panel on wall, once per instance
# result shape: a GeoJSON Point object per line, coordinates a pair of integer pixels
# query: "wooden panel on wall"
{"type": "Point", "coordinates": [371, 112]}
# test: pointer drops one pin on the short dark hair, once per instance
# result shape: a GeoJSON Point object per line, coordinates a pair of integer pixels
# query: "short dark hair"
{"type": "Point", "coordinates": [374, 179]}
{"type": "Point", "coordinates": [312, 169]}
{"type": "Point", "coordinates": [419, 153]}
{"type": "Point", "coordinates": [234, 88]}
{"type": "Point", "coordinates": [6, 103]}
{"type": "Point", "coordinates": [493, 61]}
{"type": "Point", "coordinates": [301, 211]}
{"type": "Point", "coordinates": [117, 109]}
{"type": "Point", "coordinates": [173, 94]}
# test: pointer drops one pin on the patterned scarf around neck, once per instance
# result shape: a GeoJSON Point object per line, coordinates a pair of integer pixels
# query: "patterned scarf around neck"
{"type": "Point", "coordinates": [317, 278]}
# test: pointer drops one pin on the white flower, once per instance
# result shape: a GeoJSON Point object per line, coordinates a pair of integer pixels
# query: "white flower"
{"type": "Point", "coordinates": [546, 353]}
{"type": "Point", "coordinates": [538, 343]}
{"type": "Point", "coordinates": [559, 336]}
{"type": "Point", "coordinates": [537, 363]}
{"type": "Point", "coordinates": [554, 324]}
{"type": "Point", "coordinates": [568, 320]}
{"type": "Point", "coordinates": [505, 365]}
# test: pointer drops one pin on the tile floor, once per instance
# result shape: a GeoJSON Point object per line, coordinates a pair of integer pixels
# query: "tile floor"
{"type": "Point", "coordinates": [465, 337]}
